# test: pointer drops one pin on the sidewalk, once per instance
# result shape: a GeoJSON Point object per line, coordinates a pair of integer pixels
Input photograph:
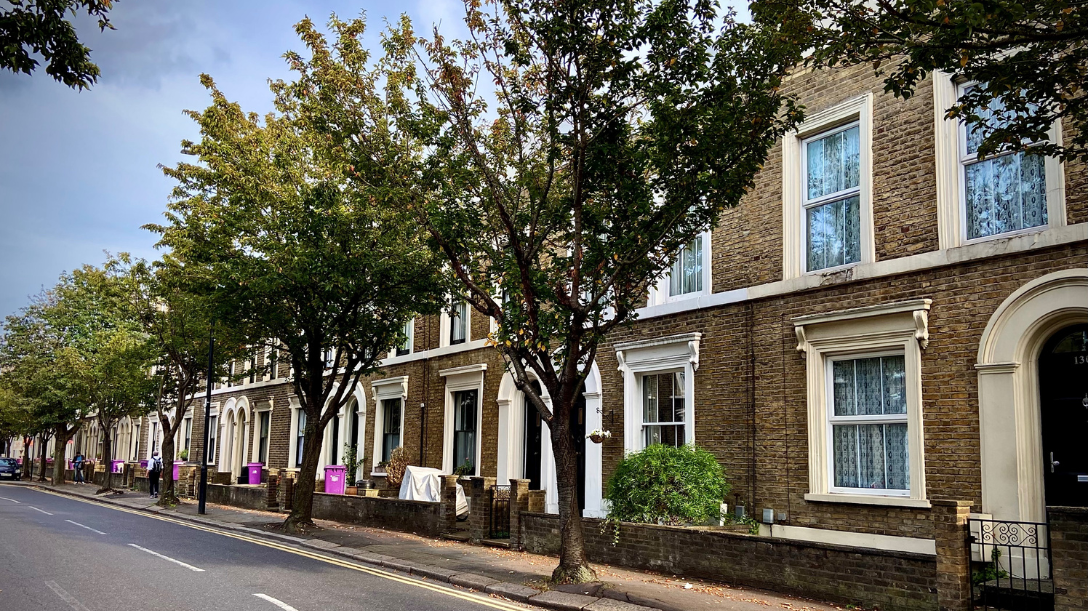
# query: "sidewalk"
{"type": "Point", "coordinates": [516, 575]}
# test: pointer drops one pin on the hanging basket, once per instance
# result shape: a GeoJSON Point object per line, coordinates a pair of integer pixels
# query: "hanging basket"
{"type": "Point", "coordinates": [596, 438]}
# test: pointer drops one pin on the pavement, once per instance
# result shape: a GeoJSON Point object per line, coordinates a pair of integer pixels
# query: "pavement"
{"type": "Point", "coordinates": [500, 573]}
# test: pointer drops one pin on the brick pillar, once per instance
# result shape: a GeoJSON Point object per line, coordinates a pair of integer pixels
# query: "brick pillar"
{"type": "Point", "coordinates": [953, 565]}
{"type": "Point", "coordinates": [449, 502]}
{"type": "Point", "coordinates": [519, 502]}
{"type": "Point", "coordinates": [272, 500]}
{"type": "Point", "coordinates": [1069, 557]}
{"type": "Point", "coordinates": [479, 520]}
{"type": "Point", "coordinates": [288, 493]}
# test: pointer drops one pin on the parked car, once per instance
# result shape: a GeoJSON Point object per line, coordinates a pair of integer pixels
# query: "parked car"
{"type": "Point", "coordinates": [9, 467]}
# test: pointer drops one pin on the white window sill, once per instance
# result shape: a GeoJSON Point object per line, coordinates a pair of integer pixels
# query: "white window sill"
{"type": "Point", "coordinates": [1005, 235]}
{"type": "Point", "coordinates": [377, 474]}
{"type": "Point", "coordinates": [861, 499]}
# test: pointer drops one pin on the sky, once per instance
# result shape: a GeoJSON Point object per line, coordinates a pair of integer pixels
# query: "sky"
{"type": "Point", "coordinates": [79, 171]}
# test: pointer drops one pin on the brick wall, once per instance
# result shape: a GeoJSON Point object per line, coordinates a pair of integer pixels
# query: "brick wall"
{"type": "Point", "coordinates": [1069, 557]}
{"type": "Point", "coordinates": [892, 581]}
{"type": "Point", "coordinates": [750, 389]}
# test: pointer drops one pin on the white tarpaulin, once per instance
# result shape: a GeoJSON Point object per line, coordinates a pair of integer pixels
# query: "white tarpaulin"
{"type": "Point", "coordinates": [425, 484]}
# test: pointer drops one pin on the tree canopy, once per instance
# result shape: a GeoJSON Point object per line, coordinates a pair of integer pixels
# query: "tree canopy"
{"type": "Point", "coordinates": [42, 27]}
{"type": "Point", "coordinates": [1029, 57]}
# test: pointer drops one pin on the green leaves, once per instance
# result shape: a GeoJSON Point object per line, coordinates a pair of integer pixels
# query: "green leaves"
{"type": "Point", "coordinates": [1030, 56]}
{"type": "Point", "coordinates": [40, 27]}
{"type": "Point", "coordinates": [668, 485]}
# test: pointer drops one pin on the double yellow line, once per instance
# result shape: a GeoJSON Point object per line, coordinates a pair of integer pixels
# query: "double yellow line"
{"type": "Point", "coordinates": [480, 600]}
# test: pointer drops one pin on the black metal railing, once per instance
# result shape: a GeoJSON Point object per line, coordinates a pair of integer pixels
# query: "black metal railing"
{"type": "Point", "coordinates": [1010, 565]}
{"type": "Point", "coordinates": [500, 512]}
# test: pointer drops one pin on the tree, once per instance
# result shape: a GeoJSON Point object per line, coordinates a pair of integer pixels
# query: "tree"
{"type": "Point", "coordinates": [286, 247]}
{"type": "Point", "coordinates": [36, 359]}
{"type": "Point", "coordinates": [111, 358]}
{"type": "Point", "coordinates": [571, 149]}
{"type": "Point", "coordinates": [1030, 58]}
{"type": "Point", "coordinates": [180, 325]}
{"type": "Point", "coordinates": [29, 27]}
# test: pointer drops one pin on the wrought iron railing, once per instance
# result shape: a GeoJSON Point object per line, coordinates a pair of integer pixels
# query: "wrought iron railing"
{"type": "Point", "coordinates": [500, 512]}
{"type": "Point", "coordinates": [1010, 565]}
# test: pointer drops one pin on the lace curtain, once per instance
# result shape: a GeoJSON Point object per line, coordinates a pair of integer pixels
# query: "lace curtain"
{"type": "Point", "coordinates": [687, 270]}
{"type": "Point", "coordinates": [458, 317]}
{"type": "Point", "coordinates": [663, 409]}
{"type": "Point", "coordinates": [870, 454]}
{"type": "Point", "coordinates": [833, 166]}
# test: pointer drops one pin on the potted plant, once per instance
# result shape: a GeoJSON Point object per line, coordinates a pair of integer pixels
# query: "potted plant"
{"type": "Point", "coordinates": [183, 455]}
{"type": "Point", "coordinates": [351, 462]}
{"type": "Point", "coordinates": [597, 435]}
{"type": "Point", "coordinates": [464, 469]}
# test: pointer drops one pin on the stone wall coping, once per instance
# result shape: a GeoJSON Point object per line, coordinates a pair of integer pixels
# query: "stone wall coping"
{"type": "Point", "coordinates": [1068, 511]}
{"type": "Point", "coordinates": [723, 534]}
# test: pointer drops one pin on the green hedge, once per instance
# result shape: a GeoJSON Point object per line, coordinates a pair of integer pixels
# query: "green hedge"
{"type": "Point", "coordinates": [668, 485]}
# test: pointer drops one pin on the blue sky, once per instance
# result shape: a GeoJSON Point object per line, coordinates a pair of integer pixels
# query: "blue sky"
{"type": "Point", "coordinates": [78, 170]}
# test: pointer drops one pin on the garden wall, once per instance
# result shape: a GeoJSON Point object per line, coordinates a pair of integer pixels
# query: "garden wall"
{"type": "Point", "coordinates": [420, 517]}
{"type": "Point", "coordinates": [889, 580]}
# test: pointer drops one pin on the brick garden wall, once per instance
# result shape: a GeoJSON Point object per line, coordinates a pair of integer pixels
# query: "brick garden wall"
{"type": "Point", "coordinates": [891, 581]}
{"type": "Point", "coordinates": [419, 517]}
{"type": "Point", "coordinates": [1069, 557]}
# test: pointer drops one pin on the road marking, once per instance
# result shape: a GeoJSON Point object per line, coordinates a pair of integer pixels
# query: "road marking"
{"type": "Point", "coordinates": [85, 526]}
{"type": "Point", "coordinates": [66, 597]}
{"type": "Point", "coordinates": [41, 510]}
{"type": "Point", "coordinates": [168, 558]}
{"type": "Point", "coordinates": [478, 599]}
{"type": "Point", "coordinates": [278, 603]}
{"type": "Point", "coordinates": [12, 500]}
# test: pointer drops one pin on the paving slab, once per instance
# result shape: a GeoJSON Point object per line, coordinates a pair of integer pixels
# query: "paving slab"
{"type": "Point", "coordinates": [472, 580]}
{"type": "Point", "coordinates": [512, 591]}
{"type": "Point", "coordinates": [565, 601]}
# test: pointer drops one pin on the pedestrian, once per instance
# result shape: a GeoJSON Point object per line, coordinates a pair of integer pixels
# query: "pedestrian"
{"type": "Point", "coordinates": [77, 468]}
{"type": "Point", "coordinates": [154, 469]}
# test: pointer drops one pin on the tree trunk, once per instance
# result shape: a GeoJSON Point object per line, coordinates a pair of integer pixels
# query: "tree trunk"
{"type": "Point", "coordinates": [302, 509]}
{"type": "Point", "coordinates": [167, 497]}
{"type": "Point", "coordinates": [59, 462]}
{"type": "Point", "coordinates": [27, 459]}
{"type": "Point", "coordinates": [107, 456]}
{"type": "Point", "coordinates": [41, 472]}
{"type": "Point", "coordinates": [573, 565]}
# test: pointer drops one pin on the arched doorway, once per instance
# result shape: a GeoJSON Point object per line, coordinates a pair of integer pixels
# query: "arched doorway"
{"type": "Point", "coordinates": [1063, 397]}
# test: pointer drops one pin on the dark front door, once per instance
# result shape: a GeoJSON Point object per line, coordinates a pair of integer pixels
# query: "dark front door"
{"type": "Point", "coordinates": [1063, 390]}
{"type": "Point", "coordinates": [533, 438]}
{"type": "Point", "coordinates": [578, 434]}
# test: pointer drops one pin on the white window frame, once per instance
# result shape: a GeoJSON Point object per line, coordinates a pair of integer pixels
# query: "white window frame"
{"type": "Point", "coordinates": [469, 377]}
{"type": "Point", "coordinates": [833, 420]}
{"type": "Point", "coordinates": [213, 433]}
{"type": "Point", "coordinates": [642, 424]}
{"type": "Point", "coordinates": [660, 292]}
{"type": "Point", "coordinates": [446, 322]}
{"type": "Point", "coordinates": [269, 373]}
{"type": "Point", "coordinates": [410, 341]}
{"type": "Point", "coordinates": [897, 328]}
{"type": "Point", "coordinates": [950, 137]}
{"type": "Point", "coordinates": [256, 444]}
{"type": "Point", "coordinates": [660, 355]}
{"type": "Point", "coordinates": [859, 111]}
{"type": "Point", "coordinates": [292, 448]}
{"type": "Point", "coordinates": [389, 388]}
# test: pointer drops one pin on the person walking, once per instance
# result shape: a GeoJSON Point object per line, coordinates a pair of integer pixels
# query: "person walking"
{"type": "Point", "coordinates": [154, 469]}
{"type": "Point", "coordinates": [77, 468]}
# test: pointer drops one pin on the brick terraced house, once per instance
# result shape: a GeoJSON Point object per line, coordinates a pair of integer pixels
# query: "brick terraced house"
{"type": "Point", "coordinates": [884, 322]}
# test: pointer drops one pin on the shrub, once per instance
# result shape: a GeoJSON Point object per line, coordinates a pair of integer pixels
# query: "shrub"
{"type": "Point", "coordinates": [667, 485]}
{"type": "Point", "coordinates": [398, 462]}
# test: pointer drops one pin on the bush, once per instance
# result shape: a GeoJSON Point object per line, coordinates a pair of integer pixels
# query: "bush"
{"type": "Point", "coordinates": [667, 485]}
{"type": "Point", "coordinates": [398, 462]}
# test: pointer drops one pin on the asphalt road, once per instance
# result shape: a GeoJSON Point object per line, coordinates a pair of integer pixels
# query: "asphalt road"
{"type": "Point", "coordinates": [59, 553]}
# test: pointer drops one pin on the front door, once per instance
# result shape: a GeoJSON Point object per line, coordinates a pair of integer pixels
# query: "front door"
{"type": "Point", "coordinates": [1063, 391]}
{"type": "Point", "coordinates": [533, 438]}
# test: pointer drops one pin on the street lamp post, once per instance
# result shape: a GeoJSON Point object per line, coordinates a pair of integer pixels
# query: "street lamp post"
{"type": "Point", "coordinates": [203, 494]}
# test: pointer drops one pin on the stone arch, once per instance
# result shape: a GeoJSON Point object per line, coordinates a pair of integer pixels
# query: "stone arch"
{"type": "Point", "coordinates": [1008, 390]}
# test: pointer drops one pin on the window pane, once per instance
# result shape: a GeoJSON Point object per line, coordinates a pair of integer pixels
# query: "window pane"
{"type": "Point", "coordinates": [843, 375]}
{"type": "Point", "coordinates": [678, 397]}
{"type": "Point", "coordinates": [458, 314]}
{"type": "Point", "coordinates": [649, 398]}
{"type": "Point", "coordinates": [846, 456]}
{"type": "Point", "coordinates": [686, 275]}
{"type": "Point", "coordinates": [1006, 193]}
{"type": "Point", "coordinates": [871, 456]}
{"type": "Point", "coordinates": [672, 435]}
{"type": "Point", "coordinates": [870, 397]}
{"type": "Point", "coordinates": [895, 392]}
{"type": "Point", "coordinates": [834, 163]}
{"type": "Point", "coordinates": [834, 234]}
{"type": "Point", "coordinates": [898, 469]}
{"type": "Point", "coordinates": [464, 435]}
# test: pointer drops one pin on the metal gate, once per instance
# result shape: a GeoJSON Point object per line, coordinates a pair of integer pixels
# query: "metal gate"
{"type": "Point", "coordinates": [500, 513]}
{"type": "Point", "coordinates": [1010, 565]}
